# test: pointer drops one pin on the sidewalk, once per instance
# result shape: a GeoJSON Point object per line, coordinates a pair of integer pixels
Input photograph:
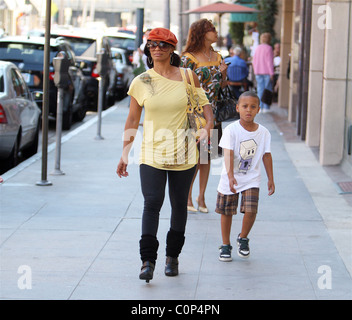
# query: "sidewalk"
{"type": "Point", "coordinates": [78, 239]}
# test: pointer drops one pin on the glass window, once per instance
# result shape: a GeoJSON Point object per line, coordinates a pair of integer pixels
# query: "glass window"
{"type": "Point", "coordinates": [24, 52]}
{"type": "Point", "coordinates": [17, 85]}
{"type": "Point", "coordinates": [2, 84]}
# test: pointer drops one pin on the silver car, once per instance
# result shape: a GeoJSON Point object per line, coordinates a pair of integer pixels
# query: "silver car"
{"type": "Point", "coordinates": [20, 117]}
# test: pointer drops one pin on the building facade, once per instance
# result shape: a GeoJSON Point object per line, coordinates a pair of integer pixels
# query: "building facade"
{"type": "Point", "coordinates": [316, 42]}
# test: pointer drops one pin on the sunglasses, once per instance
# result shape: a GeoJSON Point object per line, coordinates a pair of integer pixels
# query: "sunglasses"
{"type": "Point", "coordinates": [163, 46]}
{"type": "Point", "coordinates": [211, 29]}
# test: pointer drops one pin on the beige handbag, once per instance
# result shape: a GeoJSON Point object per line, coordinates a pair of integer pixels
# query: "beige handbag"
{"type": "Point", "coordinates": [195, 113]}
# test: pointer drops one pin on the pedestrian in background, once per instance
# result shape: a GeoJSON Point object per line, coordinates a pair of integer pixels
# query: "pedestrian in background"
{"type": "Point", "coordinates": [237, 72]}
{"type": "Point", "coordinates": [277, 63]}
{"type": "Point", "coordinates": [210, 68]}
{"type": "Point", "coordinates": [263, 66]}
{"type": "Point", "coordinates": [245, 144]}
{"type": "Point", "coordinates": [162, 93]}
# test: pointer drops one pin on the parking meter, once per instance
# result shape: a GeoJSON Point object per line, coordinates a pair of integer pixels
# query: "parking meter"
{"type": "Point", "coordinates": [103, 68]}
{"type": "Point", "coordinates": [61, 80]}
{"type": "Point", "coordinates": [103, 64]}
{"type": "Point", "coordinates": [61, 66]}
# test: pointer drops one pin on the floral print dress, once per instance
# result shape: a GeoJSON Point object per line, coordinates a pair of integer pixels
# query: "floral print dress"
{"type": "Point", "coordinates": [208, 73]}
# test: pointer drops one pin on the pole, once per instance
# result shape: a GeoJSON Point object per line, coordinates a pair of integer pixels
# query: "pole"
{"type": "Point", "coordinates": [306, 57]}
{"type": "Point", "coordinates": [140, 23]}
{"type": "Point", "coordinates": [100, 107]}
{"type": "Point", "coordinates": [60, 100]}
{"type": "Point", "coordinates": [300, 70]}
{"type": "Point", "coordinates": [45, 107]}
{"type": "Point", "coordinates": [167, 14]}
{"type": "Point", "coordinates": [219, 32]}
{"type": "Point", "coordinates": [180, 29]}
{"type": "Point", "coordinates": [185, 21]}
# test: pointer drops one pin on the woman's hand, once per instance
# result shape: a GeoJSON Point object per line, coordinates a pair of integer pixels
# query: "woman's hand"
{"type": "Point", "coordinates": [203, 135]}
{"type": "Point", "coordinates": [223, 70]}
{"type": "Point", "coordinates": [122, 169]}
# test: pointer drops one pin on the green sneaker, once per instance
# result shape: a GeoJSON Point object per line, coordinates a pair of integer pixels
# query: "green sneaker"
{"type": "Point", "coordinates": [225, 253]}
{"type": "Point", "coordinates": [243, 247]}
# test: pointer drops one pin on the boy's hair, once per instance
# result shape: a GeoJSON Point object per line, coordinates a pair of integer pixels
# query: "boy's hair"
{"type": "Point", "coordinates": [249, 94]}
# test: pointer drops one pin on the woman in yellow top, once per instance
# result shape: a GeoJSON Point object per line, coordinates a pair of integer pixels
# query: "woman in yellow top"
{"type": "Point", "coordinates": [168, 152]}
{"type": "Point", "coordinates": [210, 68]}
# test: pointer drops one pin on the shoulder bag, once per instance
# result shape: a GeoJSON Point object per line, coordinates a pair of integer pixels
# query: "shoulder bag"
{"type": "Point", "coordinates": [267, 97]}
{"type": "Point", "coordinates": [226, 106]}
{"type": "Point", "coordinates": [195, 113]}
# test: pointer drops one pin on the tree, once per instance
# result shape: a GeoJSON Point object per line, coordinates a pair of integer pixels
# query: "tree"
{"type": "Point", "coordinates": [237, 32]}
{"type": "Point", "coordinates": [266, 17]}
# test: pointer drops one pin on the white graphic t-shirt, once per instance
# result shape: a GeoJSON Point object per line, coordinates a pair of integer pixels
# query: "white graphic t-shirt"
{"type": "Point", "coordinates": [249, 148]}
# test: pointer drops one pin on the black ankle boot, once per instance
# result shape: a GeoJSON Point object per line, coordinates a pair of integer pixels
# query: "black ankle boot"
{"type": "Point", "coordinates": [147, 271]}
{"type": "Point", "coordinates": [148, 248]}
{"type": "Point", "coordinates": [171, 267]}
{"type": "Point", "coordinates": [174, 243]}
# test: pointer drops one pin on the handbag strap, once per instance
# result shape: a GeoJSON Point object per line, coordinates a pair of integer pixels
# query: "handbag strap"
{"type": "Point", "coordinates": [183, 74]}
{"type": "Point", "coordinates": [194, 91]}
{"type": "Point", "coordinates": [224, 92]}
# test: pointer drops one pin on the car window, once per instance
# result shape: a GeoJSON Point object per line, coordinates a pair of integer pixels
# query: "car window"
{"type": "Point", "coordinates": [21, 82]}
{"type": "Point", "coordinates": [17, 84]}
{"type": "Point", "coordinates": [24, 52]}
{"type": "Point", "coordinates": [122, 43]}
{"type": "Point", "coordinates": [79, 45]}
{"type": "Point", "coordinates": [2, 84]}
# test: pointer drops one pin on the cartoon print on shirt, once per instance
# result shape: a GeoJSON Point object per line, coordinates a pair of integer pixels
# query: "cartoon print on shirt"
{"type": "Point", "coordinates": [247, 152]}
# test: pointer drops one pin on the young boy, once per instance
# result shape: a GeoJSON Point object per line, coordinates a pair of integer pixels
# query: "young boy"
{"type": "Point", "coordinates": [245, 144]}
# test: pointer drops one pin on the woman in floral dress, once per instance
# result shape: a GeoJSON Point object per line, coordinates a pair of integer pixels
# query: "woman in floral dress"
{"type": "Point", "coordinates": [210, 68]}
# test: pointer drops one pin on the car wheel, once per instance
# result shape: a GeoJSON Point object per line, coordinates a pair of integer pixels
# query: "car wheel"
{"type": "Point", "coordinates": [14, 158]}
{"type": "Point", "coordinates": [33, 148]}
{"type": "Point", "coordinates": [80, 113]}
{"type": "Point", "coordinates": [110, 100]}
{"type": "Point", "coordinates": [67, 119]}
{"type": "Point", "coordinates": [67, 112]}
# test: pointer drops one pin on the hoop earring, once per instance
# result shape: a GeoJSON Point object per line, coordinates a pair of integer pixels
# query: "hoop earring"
{"type": "Point", "coordinates": [150, 60]}
{"type": "Point", "coordinates": [172, 58]}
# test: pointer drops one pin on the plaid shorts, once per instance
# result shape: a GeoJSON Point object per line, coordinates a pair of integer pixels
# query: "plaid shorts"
{"type": "Point", "coordinates": [227, 203]}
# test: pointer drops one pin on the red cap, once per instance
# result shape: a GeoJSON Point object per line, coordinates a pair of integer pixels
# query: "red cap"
{"type": "Point", "coordinates": [162, 34]}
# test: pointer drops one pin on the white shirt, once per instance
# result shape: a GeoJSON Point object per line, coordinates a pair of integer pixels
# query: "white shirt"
{"type": "Point", "coordinates": [249, 148]}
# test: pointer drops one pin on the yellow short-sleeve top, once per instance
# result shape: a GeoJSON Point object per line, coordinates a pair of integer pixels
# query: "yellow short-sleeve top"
{"type": "Point", "coordinates": [167, 142]}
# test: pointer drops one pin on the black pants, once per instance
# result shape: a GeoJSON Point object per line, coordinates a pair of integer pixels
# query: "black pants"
{"type": "Point", "coordinates": [153, 183]}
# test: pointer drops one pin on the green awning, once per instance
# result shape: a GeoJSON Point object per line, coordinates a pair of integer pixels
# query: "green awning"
{"type": "Point", "coordinates": [244, 17]}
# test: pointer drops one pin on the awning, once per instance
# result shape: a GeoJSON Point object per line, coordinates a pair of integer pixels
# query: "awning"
{"type": "Point", "coordinates": [244, 17]}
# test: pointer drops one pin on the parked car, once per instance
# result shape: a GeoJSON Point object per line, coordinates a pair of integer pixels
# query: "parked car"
{"type": "Point", "coordinates": [28, 54]}
{"type": "Point", "coordinates": [124, 70]}
{"type": "Point", "coordinates": [85, 49]}
{"type": "Point", "coordinates": [122, 40]}
{"type": "Point", "coordinates": [20, 117]}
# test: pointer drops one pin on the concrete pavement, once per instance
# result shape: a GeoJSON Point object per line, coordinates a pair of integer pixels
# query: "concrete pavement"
{"type": "Point", "coordinates": [78, 239]}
